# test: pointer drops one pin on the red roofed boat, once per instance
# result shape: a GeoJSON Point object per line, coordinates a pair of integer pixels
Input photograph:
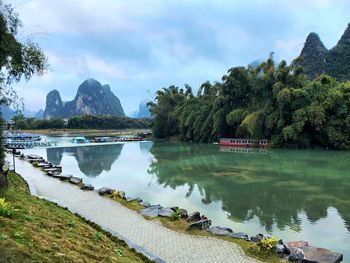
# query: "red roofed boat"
{"type": "Point", "coordinates": [242, 142]}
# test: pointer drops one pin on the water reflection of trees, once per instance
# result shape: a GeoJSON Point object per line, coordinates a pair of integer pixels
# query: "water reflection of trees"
{"type": "Point", "coordinates": [92, 161]}
{"type": "Point", "coordinates": [275, 187]}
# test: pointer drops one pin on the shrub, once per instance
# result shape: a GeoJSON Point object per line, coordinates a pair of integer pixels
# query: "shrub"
{"type": "Point", "coordinates": [266, 245]}
{"type": "Point", "coordinates": [35, 164]}
{"type": "Point", "coordinates": [176, 214]}
{"type": "Point", "coordinates": [97, 237]}
{"type": "Point", "coordinates": [6, 209]}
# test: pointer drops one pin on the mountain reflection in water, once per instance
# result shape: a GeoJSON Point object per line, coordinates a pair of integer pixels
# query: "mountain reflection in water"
{"type": "Point", "coordinates": [92, 160]}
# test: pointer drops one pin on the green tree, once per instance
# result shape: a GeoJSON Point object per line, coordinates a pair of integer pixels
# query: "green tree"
{"type": "Point", "coordinates": [17, 59]}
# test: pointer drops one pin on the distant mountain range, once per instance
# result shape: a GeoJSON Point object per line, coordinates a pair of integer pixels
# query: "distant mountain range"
{"type": "Point", "coordinates": [143, 111]}
{"type": "Point", "coordinates": [319, 60]}
{"type": "Point", "coordinates": [7, 113]}
{"type": "Point", "coordinates": [91, 98]}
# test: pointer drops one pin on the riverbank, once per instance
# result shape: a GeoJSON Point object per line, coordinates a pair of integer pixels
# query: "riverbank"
{"type": "Point", "coordinates": [42, 231]}
{"type": "Point", "coordinates": [171, 246]}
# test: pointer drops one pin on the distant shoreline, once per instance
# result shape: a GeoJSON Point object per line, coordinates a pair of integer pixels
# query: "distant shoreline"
{"type": "Point", "coordinates": [87, 132]}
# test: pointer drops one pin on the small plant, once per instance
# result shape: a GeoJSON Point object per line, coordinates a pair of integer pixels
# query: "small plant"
{"type": "Point", "coordinates": [115, 194]}
{"type": "Point", "coordinates": [118, 252]}
{"type": "Point", "coordinates": [6, 209]}
{"type": "Point", "coordinates": [35, 164]}
{"type": "Point", "coordinates": [3, 236]}
{"type": "Point", "coordinates": [28, 218]}
{"type": "Point", "coordinates": [97, 237]}
{"type": "Point", "coordinates": [266, 245]}
{"type": "Point", "coordinates": [176, 215]}
{"type": "Point", "coordinates": [20, 238]}
{"type": "Point", "coordinates": [71, 224]}
{"type": "Point", "coordinates": [22, 156]}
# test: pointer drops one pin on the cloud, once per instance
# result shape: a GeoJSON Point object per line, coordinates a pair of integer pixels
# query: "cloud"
{"type": "Point", "coordinates": [143, 45]}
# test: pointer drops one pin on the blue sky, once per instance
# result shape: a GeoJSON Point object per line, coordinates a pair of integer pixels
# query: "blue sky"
{"type": "Point", "coordinates": [140, 46]}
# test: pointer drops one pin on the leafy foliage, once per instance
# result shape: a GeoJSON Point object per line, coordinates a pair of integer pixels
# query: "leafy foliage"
{"type": "Point", "coordinates": [266, 245]}
{"type": "Point", "coordinates": [176, 215]}
{"type": "Point", "coordinates": [6, 209]}
{"type": "Point", "coordinates": [17, 59]}
{"type": "Point", "coordinates": [274, 102]}
{"type": "Point", "coordinates": [81, 122]}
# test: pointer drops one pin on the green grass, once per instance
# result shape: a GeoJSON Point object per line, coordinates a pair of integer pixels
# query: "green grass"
{"type": "Point", "coordinates": [40, 231]}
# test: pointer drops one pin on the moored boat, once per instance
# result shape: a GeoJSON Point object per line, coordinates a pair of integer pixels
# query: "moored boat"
{"type": "Point", "coordinates": [236, 142]}
{"type": "Point", "coordinates": [80, 140]}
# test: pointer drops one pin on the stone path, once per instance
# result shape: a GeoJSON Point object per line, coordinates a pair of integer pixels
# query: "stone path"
{"type": "Point", "coordinates": [166, 244]}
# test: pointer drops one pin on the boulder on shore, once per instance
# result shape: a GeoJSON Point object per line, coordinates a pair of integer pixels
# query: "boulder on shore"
{"type": "Point", "coordinates": [220, 231]}
{"type": "Point", "coordinates": [151, 211]}
{"type": "Point", "coordinates": [296, 254]}
{"type": "Point", "coordinates": [132, 199]}
{"type": "Point", "coordinates": [194, 217]}
{"type": "Point", "coordinates": [63, 176]}
{"type": "Point", "coordinates": [87, 187]}
{"type": "Point", "coordinates": [165, 212]}
{"type": "Point", "coordinates": [257, 238]}
{"type": "Point", "coordinates": [183, 213]}
{"type": "Point", "coordinates": [240, 235]}
{"type": "Point", "coordinates": [105, 191]}
{"type": "Point", "coordinates": [201, 225]}
{"type": "Point", "coordinates": [145, 204]}
{"type": "Point", "coordinates": [75, 180]}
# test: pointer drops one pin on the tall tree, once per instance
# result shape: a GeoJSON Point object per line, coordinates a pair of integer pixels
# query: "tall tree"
{"type": "Point", "coordinates": [17, 60]}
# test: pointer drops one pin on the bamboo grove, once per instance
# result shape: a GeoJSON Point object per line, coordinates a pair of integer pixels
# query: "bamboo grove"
{"type": "Point", "coordinates": [274, 102]}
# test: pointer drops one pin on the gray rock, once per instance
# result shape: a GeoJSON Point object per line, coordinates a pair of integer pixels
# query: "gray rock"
{"type": "Point", "coordinates": [105, 191]}
{"type": "Point", "coordinates": [240, 235]}
{"type": "Point", "coordinates": [183, 213]}
{"type": "Point", "coordinates": [87, 187]}
{"type": "Point", "coordinates": [279, 249]}
{"type": "Point", "coordinates": [257, 238]}
{"type": "Point", "coordinates": [282, 249]}
{"type": "Point", "coordinates": [150, 211]}
{"type": "Point", "coordinates": [220, 231]}
{"type": "Point", "coordinates": [75, 180]}
{"type": "Point", "coordinates": [131, 199]}
{"type": "Point", "coordinates": [202, 224]}
{"type": "Point", "coordinates": [313, 254]}
{"type": "Point", "coordinates": [194, 217]}
{"type": "Point", "coordinates": [165, 212]}
{"type": "Point", "coordinates": [145, 204]}
{"type": "Point", "coordinates": [55, 173]}
{"type": "Point", "coordinates": [121, 194]}
{"type": "Point", "coordinates": [63, 176]}
{"type": "Point", "coordinates": [34, 156]}
{"type": "Point", "coordinates": [155, 206]}
{"type": "Point", "coordinates": [296, 254]}
{"type": "Point", "coordinates": [174, 208]}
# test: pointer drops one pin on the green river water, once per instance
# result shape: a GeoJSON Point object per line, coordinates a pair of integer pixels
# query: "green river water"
{"type": "Point", "coordinates": [290, 194]}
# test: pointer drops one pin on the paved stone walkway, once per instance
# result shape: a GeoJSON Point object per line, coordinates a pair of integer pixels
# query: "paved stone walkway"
{"type": "Point", "coordinates": [166, 244]}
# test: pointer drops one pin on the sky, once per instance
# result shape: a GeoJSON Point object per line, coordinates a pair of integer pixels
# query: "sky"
{"type": "Point", "coordinates": [140, 46]}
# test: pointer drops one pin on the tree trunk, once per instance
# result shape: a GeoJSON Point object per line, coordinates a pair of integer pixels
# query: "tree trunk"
{"type": "Point", "coordinates": [3, 181]}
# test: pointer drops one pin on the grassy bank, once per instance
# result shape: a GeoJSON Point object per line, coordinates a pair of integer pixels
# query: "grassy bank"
{"type": "Point", "coordinates": [181, 225]}
{"type": "Point", "coordinates": [41, 231]}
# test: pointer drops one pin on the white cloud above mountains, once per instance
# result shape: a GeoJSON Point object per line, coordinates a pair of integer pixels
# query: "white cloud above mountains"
{"type": "Point", "coordinates": [143, 45]}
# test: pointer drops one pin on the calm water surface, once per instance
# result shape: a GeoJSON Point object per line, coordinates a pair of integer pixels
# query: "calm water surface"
{"type": "Point", "coordinates": [291, 194]}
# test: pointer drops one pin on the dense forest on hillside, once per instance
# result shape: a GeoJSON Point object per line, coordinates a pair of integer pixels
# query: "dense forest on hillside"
{"type": "Point", "coordinates": [82, 122]}
{"type": "Point", "coordinates": [276, 102]}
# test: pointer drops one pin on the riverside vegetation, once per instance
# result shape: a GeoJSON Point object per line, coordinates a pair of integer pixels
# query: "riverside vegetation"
{"type": "Point", "coordinates": [81, 122]}
{"type": "Point", "coordinates": [34, 229]}
{"type": "Point", "coordinates": [276, 102]}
